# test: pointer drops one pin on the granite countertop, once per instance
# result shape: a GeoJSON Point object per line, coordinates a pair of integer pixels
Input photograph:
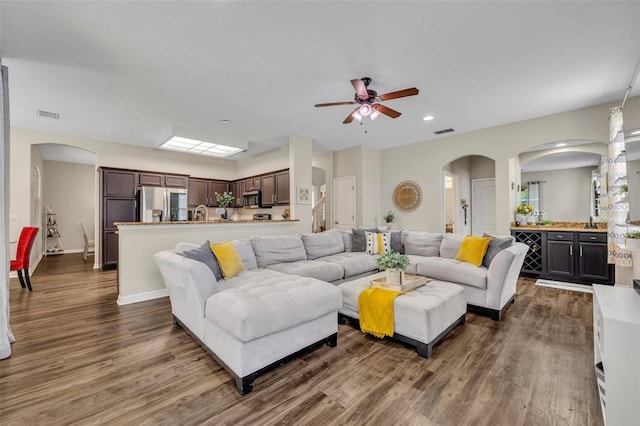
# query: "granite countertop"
{"type": "Point", "coordinates": [563, 226]}
{"type": "Point", "coordinates": [208, 222]}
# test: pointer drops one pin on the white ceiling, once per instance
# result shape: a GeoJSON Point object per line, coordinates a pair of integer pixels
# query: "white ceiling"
{"type": "Point", "coordinates": [129, 71]}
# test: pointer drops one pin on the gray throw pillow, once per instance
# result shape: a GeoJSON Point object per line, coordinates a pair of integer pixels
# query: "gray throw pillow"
{"type": "Point", "coordinates": [495, 246]}
{"type": "Point", "coordinates": [359, 238]}
{"type": "Point", "coordinates": [396, 241]}
{"type": "Point", "coordinates": [205, 255]}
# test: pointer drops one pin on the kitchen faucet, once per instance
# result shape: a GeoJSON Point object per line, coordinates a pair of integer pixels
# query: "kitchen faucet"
{"type": "Point", "coordinates": [199, 215]}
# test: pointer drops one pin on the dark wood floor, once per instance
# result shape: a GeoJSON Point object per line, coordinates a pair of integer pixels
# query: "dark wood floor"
{"type": "Point", "coordinates": [82, 359]}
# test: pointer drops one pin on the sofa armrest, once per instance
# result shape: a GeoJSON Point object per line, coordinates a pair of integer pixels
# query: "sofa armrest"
{"type": "Point", "coordinates": [503, 273]}
{"type": "Point", "coordinates": [190, 283]}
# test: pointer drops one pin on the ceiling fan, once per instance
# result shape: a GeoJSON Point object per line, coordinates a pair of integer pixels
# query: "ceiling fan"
{"type": "Point", "coordinates": [368, 101]}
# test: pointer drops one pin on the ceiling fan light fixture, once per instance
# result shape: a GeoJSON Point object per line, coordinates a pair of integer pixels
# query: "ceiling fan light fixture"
{"type": "Point", "coordinates": [374, 114]}
{"type": "Point", "coordinates": [365, 110]}
{"type": "Point", "coordinates": [357, 115]}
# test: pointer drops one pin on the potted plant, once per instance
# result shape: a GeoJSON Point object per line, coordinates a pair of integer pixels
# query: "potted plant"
{"type": "Point", "coordinates": [224, 200]}
{"type": "Point", "coordinates": [522, 214]}
{"type": "Point", "coordinates": [394, 264]}
{"type": "Point", "coordinates": [632, 240]}
{"type": "Point", "coordinates": [388, 219]}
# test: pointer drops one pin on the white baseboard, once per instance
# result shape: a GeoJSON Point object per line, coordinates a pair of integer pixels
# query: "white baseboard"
{"type": "Point", "coordinates": [32, 268]}
{"type": "Point", "coordinates": [142, 297]}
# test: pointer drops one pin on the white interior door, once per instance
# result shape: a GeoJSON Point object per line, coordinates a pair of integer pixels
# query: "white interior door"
{"type": "Point", "coordinates": [483, 206]}
{"type": "Point", "coordinates": [344, 202]}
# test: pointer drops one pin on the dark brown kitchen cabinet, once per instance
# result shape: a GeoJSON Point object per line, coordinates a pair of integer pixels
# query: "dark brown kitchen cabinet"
{"type": "Point", "coordinates": [118, 205]}
{"type": "Point", "coordinates": [592, 255]}
{"type": "Point", "coordinates": [203, 191]}
{"type": "Point", "coordinates": [151, 179]}
{"type": "Point", "coordinates": [238, 190]}
{"type": "Point", "coordinates": [197, 193]}
{"type": "Point", "coordinates": [172, 181]}
{"type": "Point", "coordinates": [275, 189]}
{"type": "Point", "coordinates": [253, 184]}
{"type": "Point", "coordinates": [282, 188]}
{"type": "Point", "coordinates": [119, 183]}
{"type": "Point", "coordinates": [219, 187]}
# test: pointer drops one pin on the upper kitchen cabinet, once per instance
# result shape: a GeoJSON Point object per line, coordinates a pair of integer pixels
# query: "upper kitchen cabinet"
{"type": "Point", "coordinates": [203, 191]}
{"type": "Point", "coordinates": [275, 189]}
{"type": "Point", "coordinates": [174, 181]}
{"type": "Point", "coordinates": [197, 192]}
{"type": "Point", "coordinates": [119, 183]}
{"type": "Point", "coordinates": [253, 184]}
{"type": "Point", "coordinates": [219, 187]}
{"type": "Point", "coordinates": [170, 181]}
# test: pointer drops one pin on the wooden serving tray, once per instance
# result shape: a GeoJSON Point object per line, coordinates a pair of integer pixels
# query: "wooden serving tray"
{"type": "Point", "coordinates": [411, 282]}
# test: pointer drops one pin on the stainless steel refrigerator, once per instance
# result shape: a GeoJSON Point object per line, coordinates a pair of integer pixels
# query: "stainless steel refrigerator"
{"type": "Point", "coordinates": [162, 204]}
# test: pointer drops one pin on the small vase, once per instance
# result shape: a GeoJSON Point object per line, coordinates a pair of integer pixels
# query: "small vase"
{"type": "Point", "coordinates": [394, 276]}
{"type": "Point", "coordinates": [223, 215]}
{"type": "Point", "coordinates": [631, 243]}
{"type": "Point", "coordinates": [522, 219]}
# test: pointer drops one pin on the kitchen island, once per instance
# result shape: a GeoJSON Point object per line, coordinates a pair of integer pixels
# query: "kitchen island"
{"type": "Point", "coordinates": [138, 276]}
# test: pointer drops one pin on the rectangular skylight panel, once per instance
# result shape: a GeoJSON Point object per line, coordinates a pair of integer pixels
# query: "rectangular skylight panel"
{"type": "Point", "coordinates": [178, 143]}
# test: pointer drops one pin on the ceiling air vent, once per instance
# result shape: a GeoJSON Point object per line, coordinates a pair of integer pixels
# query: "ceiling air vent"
{"type": "Point", "coordinates": [47, 114]}
{"type": "Point", "coordinates": [442, 132]}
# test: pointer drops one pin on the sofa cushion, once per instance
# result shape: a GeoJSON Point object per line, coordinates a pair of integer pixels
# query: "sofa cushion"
{"type": "Point", "coordinates": [473, 249]}
{"type": "Point", "coordinates": [278, 249]}
{"type": "Point", "coordinates": [323, 243]}
{"type": "Point", "coordinates": [353, 263]}
{"type": "Point", "coordinates": [453, 271]}
{"type": "Point", "coordinates": [275, 302]}
{"type": "Point", "coordinates": [205, 255]}
{"type": "Point", "coordinates": [450, 245]}
{"type": "Point", "coordinates": [347, 239]}
{"type": "Point", "coordinates": [396, 241]}
{"type": "Point", "coordinates": [422, 243]}
{"type": "Point", "coordinates": [378, 243]}
{"type": "Point", "coordinates": [359, 238]}
{"type": "Point", "coordinates": [244, 249]}
{"type": "Point", "coordinates": [496, 245]}
{"type": "Point", "coordinates": [228, 259]}
{"type": "Point", "coordinates": [310, 268]}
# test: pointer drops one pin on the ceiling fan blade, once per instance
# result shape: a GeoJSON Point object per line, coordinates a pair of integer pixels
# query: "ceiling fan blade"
{"type": "Point", "coordinates": [399, 94]}
{"type": "Point", "coordinates": [386, 110]}
{"type": "Point", "coordinates": [335, 103]}
{"type": "Point", "coordinates": [361, 89]}
{"type": "Point", "coordinates": [350, 117]}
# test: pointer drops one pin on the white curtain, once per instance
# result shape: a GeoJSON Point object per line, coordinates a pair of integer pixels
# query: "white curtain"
{"type": "Point", "coordinates": [6, 336]}
{"type": "Point", "coordinates": [617, 202]}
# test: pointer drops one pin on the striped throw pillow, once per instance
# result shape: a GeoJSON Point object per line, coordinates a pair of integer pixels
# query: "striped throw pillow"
{"type": "Point", "coordinates": [378, 243]}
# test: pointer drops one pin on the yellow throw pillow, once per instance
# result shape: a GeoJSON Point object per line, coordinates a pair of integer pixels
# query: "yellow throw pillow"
{"type": "Point", "coordinates": [228, 259]}
{"type": "Point", "coordinates": [473, 249]}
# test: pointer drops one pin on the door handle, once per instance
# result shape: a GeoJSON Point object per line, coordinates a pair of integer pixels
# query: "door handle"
{"type": "Point", "coordinates": [570, 250]}
{"type": "Point", "coordinates": [336, 222]}
{"type": "Point", "coordinates": [580, 251]}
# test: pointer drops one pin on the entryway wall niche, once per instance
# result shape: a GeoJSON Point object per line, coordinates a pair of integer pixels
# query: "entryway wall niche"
{"type": "Point", "coordinates": [466, 169]}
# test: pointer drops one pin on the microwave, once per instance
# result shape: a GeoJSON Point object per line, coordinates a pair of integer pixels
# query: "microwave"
{"type": "Point", "coordinates": [252, 199]}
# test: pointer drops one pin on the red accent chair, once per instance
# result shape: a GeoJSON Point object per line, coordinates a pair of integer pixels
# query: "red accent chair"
{"type": "Point", "coordinates": [23, 254]}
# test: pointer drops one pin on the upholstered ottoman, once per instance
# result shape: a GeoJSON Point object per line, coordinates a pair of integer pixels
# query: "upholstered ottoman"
{"type": "Point", "coordinates": [258, 325]}
{"type": "Point", "coordinates": [422, 317]}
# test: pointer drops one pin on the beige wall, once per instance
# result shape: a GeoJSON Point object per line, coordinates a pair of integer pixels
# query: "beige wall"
{"type": "Point", "coordinates": [423, 162]}
{"type": "Point", "coordinates": [276, 159]}
{"type": "Point", "coordinates": [70, 191]}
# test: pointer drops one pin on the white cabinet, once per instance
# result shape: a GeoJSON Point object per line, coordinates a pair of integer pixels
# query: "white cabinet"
{"type": "Point", "coordinates": [616, 345]}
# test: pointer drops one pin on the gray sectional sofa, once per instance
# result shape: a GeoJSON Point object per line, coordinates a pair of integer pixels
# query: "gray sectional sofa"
{"type": "Point", "coordinates": [286, 300]}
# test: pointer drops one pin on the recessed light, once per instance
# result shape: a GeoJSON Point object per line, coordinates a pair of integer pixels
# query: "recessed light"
{"type": "Point", "coordinates": [428, 117]}
{"type": "Point", "coordinates": [558, 145]}
{"type": "Point", "coordinates": [225, 121]}
{"type": "Point", "coordinates": [635, 132]}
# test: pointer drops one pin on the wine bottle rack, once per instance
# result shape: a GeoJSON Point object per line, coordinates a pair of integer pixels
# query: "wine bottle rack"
{"type": "Point", "coordinates": [533, 260]}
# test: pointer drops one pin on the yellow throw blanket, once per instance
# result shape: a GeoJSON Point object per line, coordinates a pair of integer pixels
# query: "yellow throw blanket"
{"type": "Point", "coordinates": [375, 307]}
